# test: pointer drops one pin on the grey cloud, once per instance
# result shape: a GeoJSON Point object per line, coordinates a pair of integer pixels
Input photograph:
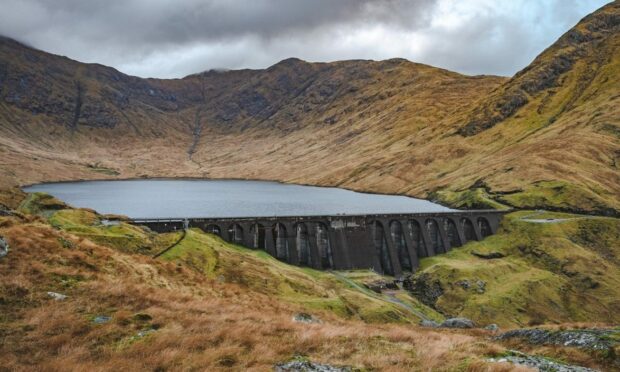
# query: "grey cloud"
{"type": "Point", "coordinates": [175, 38]}
{"type": "Point", "coordinates": [159, 22]}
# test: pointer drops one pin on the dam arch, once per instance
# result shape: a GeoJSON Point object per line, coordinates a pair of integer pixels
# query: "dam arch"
{"type": "Point", "coordinates": [324, 247]}
{"type": "Point", "coordinates": [452, 232]}
{"type": "Point", "coordinates": [381, 248]}
{"type": "Point", "coordinates": [398, 237]}
{"type": "Point", "coordinates": [468, 229]}
{"type": "Point", "coordinates": [417, 238]}
{"type": "Point", "coordinates": [485, 227]}
{"type": "Point", "coordinates": [257, 231]}
{"type": "Point", "coordinates": [436, 241]}
{"type": "Point", "coordinates": [280, 240]}
{"type": "Point", "coordinates": [235, 234]}
{"type": "Point", "coordinates": [213, 229]}
{"type": "Point", "coordinates": [302, 242]}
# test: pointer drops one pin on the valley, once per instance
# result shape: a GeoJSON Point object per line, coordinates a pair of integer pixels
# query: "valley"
{"type": "Point", "coordinates": [97, 291]}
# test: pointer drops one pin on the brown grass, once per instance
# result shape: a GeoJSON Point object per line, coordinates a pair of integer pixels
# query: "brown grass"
{"type": "Point", "coordinates": [199, 323]}
{"type": "Point", "coordinates": [193, 322]}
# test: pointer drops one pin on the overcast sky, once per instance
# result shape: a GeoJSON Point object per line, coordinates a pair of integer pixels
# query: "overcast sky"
{"type": "Point", "coordinates": [174, 38]}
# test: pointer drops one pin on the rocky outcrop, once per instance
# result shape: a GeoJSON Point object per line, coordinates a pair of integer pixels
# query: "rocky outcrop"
{"type": "Point", "coordinates": [305, 318]}
{"type": "Point", "coordinates": [546, 72]}
{"type": "Point", "coordinates": [594, 339]}
{"type": "Point", "coordinates": [538, 363]}
{"type": "Point", "coordinates": [462, 323]}
{"type": "Point", "coordinates": [303, 365]}
{"type": "Point", "coordinates": [4, 247]}
{"type": "Point", "coordinates": [457, 323]}
{"type": "Point", "coordinates": [57, 296]}
{"type": "Point", "coordinates": [380, 285]}
{"type": "Point", "coordinates": [429, 323]}
{"type": "Point", "coordinates": [424, 288]}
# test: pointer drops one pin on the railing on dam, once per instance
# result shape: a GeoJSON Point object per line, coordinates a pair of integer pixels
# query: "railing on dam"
{"type": "Point", "coordinates": [388, 243]}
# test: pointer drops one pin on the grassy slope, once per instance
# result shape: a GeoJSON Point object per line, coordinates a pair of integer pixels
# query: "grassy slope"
{"type": "Point", "coordinates": [204, 304]}
{"type": "Point", "coordinates": [259, 272]}
{"type": "Point", "coordinates": [567, 271]}
{"type": "Point", "coordinates": [218, 260]}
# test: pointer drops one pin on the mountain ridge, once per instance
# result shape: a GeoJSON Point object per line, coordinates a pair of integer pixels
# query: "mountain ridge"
{"type": "Point", "coordinates": [390, 126]}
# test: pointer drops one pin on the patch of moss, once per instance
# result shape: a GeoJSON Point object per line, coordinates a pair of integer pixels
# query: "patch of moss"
{"type": "Point", "coordinates": [67, 281]}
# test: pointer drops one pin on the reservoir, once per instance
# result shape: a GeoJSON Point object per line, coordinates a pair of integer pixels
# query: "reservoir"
{"type": "Point", "coordinates": [180, 198]}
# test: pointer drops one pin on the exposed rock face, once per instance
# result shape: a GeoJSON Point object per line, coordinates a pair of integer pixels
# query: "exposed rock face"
{"type": "Point", "coordinates": [101, 319]}
{"type": "Point", "coordinates": [302, 365]}
{"type": "Point", "coordinates": [478, 286]}
{"type": "Point", "coordinates": [539, 363]}
{"type": "Point", "coordinates": [305, 318]}
{"type": "Point", "coordinates": [380, 285]}
{"type": "Point", "coordinates": [4, 247]}
{"type": "Point", "coordinates": [595, 339]}
{"type": "Point", "coordinates": [57, 296]}
{"type": "Point", "coordinates": [492, 327]}
{"type": "Point", "coordinates": [424, 288]}
{"type": "Point", "coordinates": [429, 323]}
{"type": "Point", "coordinates": [547, 71]}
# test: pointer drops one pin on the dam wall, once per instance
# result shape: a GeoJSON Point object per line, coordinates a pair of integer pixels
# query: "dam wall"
{"type": "Point", "coordinates": [391, 244]}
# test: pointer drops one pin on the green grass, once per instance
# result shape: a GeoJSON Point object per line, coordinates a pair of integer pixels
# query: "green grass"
{"type": "Point", "coordinates": [476, 198]}
{"type": "Point", "coordinates": [122, 236]}
{"type": "Point", "coordinates": [561, 272]}
{"type": "Point", "coordinates": [553, 194]}
{"type": "Point", "coordinates": [40, 203]}
{"type": "Point", "coordinates": [313, 290]}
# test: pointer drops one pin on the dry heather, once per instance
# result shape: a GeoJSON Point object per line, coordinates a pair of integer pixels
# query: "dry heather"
{"type": "Point", "coordinates": [189, 321]}
{"type": "Point", "coordinates": [205, 304]}
{"type": "Point", "coordinates": [192, 310]}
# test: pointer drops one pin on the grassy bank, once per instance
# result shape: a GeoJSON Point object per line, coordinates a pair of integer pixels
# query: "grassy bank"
{"type": "Point", "coordinates": [564, 270]}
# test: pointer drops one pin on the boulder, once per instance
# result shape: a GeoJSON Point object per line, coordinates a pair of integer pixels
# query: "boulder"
{"type": "Point", "coordinates": [492, 327]}
{"type": "Point", "coordinates": [429, 323]}
{"type": "Point", "coordinates": [305, 318]}
{"type": "Point", "coordinates": [538, 363]}
{"type": "Point", "coordinates": [457, 323]}
{"type": "Point", "coordinates": [101, 319]}
{"type": "Point", "coordinates": [4, 247]}
{"type": "Point", "coordinates": [425, 288]}
{"type": "Point", "coordinates": [303, 365]}
{"type": "Point", "coordinates": [594, 339]}
{"type": "Point", "coordinates": [57, 296]}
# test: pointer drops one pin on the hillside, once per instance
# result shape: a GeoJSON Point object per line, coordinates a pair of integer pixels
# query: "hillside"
{"type": "Point", "coordinates": [207, 304]}
{"type": "Point", "coordinates": [547, 137]}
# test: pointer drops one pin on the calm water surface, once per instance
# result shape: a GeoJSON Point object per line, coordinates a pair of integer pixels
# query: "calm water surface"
{"type": "Point", "coordinates": [225, 198]}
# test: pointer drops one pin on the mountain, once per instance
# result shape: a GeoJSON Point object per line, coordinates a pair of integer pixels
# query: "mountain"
{"type": "Point", "coordinates": [546, 138]}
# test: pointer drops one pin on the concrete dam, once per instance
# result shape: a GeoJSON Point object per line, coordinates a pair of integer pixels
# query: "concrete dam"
{"type": "Point", "coordinates": [387, 243]}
